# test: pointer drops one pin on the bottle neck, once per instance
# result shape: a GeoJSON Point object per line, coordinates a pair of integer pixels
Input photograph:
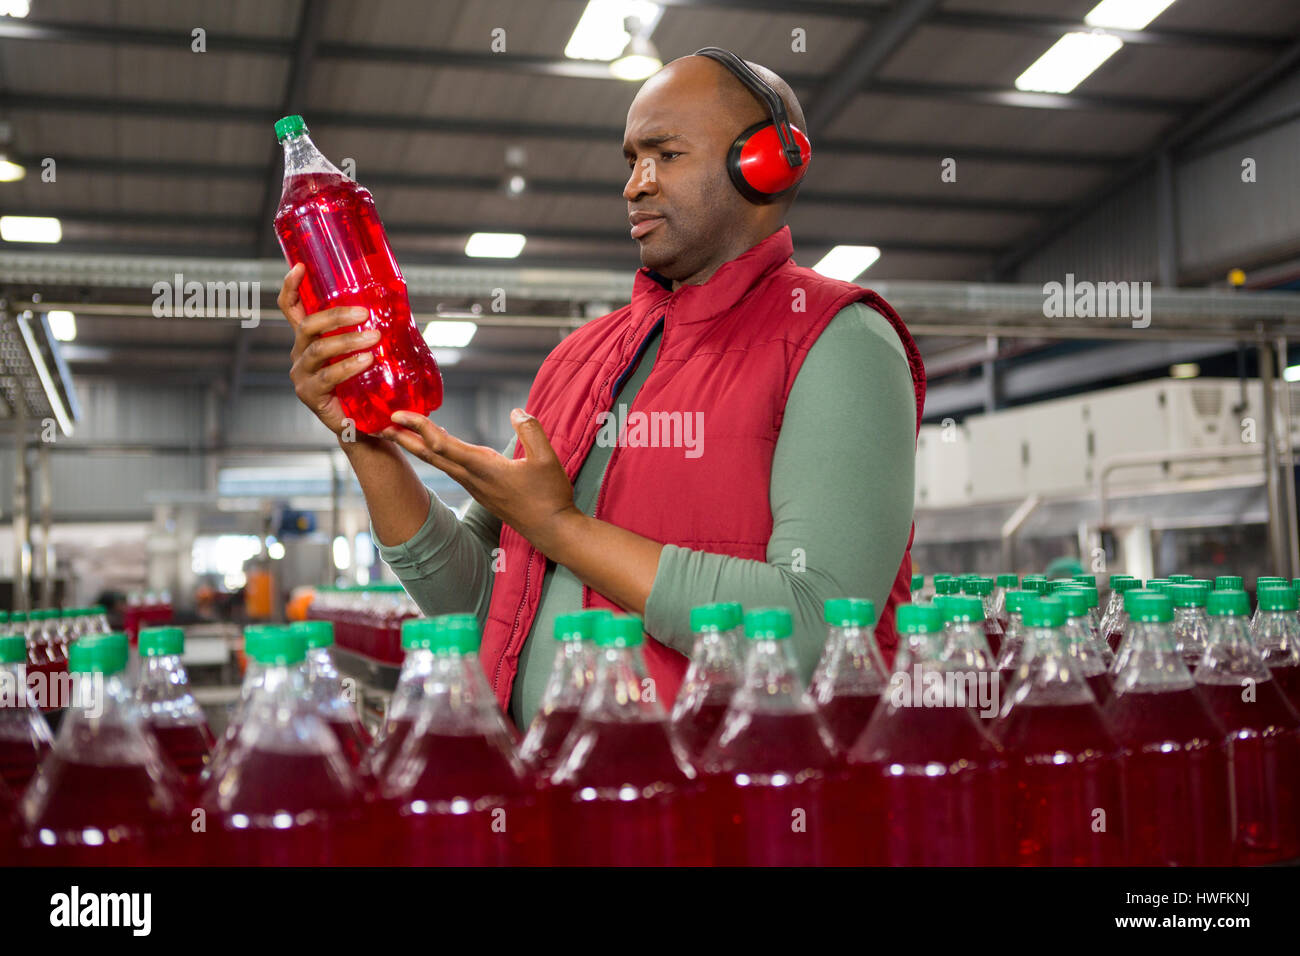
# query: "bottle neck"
{"type": "Point", "coordinates": [771, 681]}
{"type": "Point", "coordinates": [1149, 660]}
{"type": "Point", "coordinates": [919, 650]}
{"type": "Point", "coordinates": [457, 699]}
{"type": "Point", "coordinates": [850, 665]}
{"type": "Point", "coordinates": [1275, 630]}
{"type": "Point", "coordinates": [571, 677]}
{"type": "Point", "coordinates": [302, 157]}
{"type": "Point", "coordinates": [620, 690]}
{"type": "Point", "coordinates": [410, 683]}
{"type": "Point", "coordinates": [1230, 655]}
{"type": "Point", "coordinates": [966, 646]}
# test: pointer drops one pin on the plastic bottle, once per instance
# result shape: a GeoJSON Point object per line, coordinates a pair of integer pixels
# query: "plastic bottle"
{"type": "Point", "coordinates": [929, 778]}
{"type": "Point", "coordinates": [1177, 765]}
{"type": "Point", "coordinates": [325, 689]}
{"type": "Point", "coordinates": [1264, 734]}
{"type": "Point", "coordinates": [772, 769]}
{"type": "Point", "coordinates": [1082, 646]}
{"type": "Point", "coordinates": [104, 795]}
{"type": "Point", "coordinates": [572, 674]}
{"type": "Point", "coordinates": [1260, 584]}
{"type": "Point", "coordinates": [1227, 582]}
{"type": "Point", "coordinates": [286, 795]}
{"type": "Point", "coordinates": [916, 584]}
{"type": "Point", "coordinates": [1114, 606]}
{"type": "Point", "coordinates": [171, 712]}
{"type": "Point", "coordinates": [1001, 585]}
{"type": "Point", "coordinates": [404, 705]}
{"type": "Point", "coordinates": [1191, 625]}
{"type": "Point", "coordinates": [330, 224]}
{"type": "Point", "coordinates": [712, 677]}
{"type": "Point", "coordinates": [1277, 637]}
{"type": "Point", "coordinates": [24, 735]}
{"type": "Point", "coordinates": [1009, 654]}
{"type": "Point", "coordinates": [455, 793]}
{"type": "Point", "coordinates": [1065, 763]}
{"type": "Point", "coordinates": [850, 677]}
{"type": "Point", "coordinates": [965, 646]}
{"type": "Point", "coordinates": [253, 673]}
{"type": "Point", "coordinates": [624, 792]}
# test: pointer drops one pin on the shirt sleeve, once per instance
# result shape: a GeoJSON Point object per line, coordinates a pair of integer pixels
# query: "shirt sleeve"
{"type": "Point", "coordinates": [841, 494]}
{"type": "Point", "coordinates": [446, 566]}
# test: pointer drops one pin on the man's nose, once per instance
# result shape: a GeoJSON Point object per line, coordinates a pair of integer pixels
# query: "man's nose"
{"type": "Point", "coordinates": [642, 180]}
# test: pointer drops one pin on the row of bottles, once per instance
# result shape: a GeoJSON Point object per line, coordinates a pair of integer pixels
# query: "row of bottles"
{"type": "Point", "coordinates": [367, 619]}
{"type": "Point", "coordinates": [48, 633]}
{"type": "Point", "coordinates": [146, 609]}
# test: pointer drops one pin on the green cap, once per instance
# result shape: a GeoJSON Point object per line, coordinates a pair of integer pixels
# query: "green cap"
{"type": "Point", "coordinates": [1119, 577]}
{"type": "Point", "coordinates": [18, 617]}
{"type": "Point", "coordinates": [918, 619]}
{"type": "Point", "coordinates": [105, 653]}
{"type": "Point", "coordinates": [1148, 607]}
{"type": "Point", "coordinates": [1016, 600]}
{"type": "Point", "coordinates": [161, 641]}
{"type": "Point", "coordinates": [1075, 601]}
{"type": "Point", "coordinates": [1276, 597]}
{"type": "Point", "coordinates": [1059, 584]}
{"type": "Point", "coordinates": [579, 625]}
{"type": "Point", "coordinates": [1090, 592]}
{"type": "Point", "coordinates": [1269, 579]}
{"type": "Point", "coordinates": [1044, 612]}
{"type": "Point", "coordinates": [625, 630]}
{"type": "Point", "coordinates": [289, 126]}
{"type": "Point", "coordinates": [13, 649]}
{"type": "Point", "coordinates": [768, 624]}
{"type": "Point", "coordinates": [850, 612]}
{"type": "Point", "coordinates": [918, 582]}
{"type": "Point", "coordinates": [723, 616]}
{"type": "Point", "coordinates": [255, 633]}
{"type": "Point", "coordinates": [1227, 582]}
{"type": "Point", "coordinates": [1187, 595]}
{"type": "Point", "coordinates": [315, 633]}
{"type": "Point", "coordinates": [455, 634]}
{"type": "Point", "coordinates": [279, 647]}
{"type": "Point", "coordinates": [1180, 578]}
{"type": "Point", "coordinates": [946, 585]}
{"type": "Point", "coordinates": [964, 609]}
{"type": "Point", "coordinates": [1034, 583]}
{"type": "Point", "coordinates": [1124, 584]}
{"type": "Point", "coordinates": [1007, 581]}
{"type": "Point", "coordinates": [1158, 584]}
{"type": "Point", "coordinates": [979, 586]}
{"type": "Point", "coordinates": [417, 632]}
{"type": "Point", "coordinates": [1228, 602]}
{"type": "Point", "coordinates": [1090, 579]}
{"type": "Point", "coordinates": [97, 609]}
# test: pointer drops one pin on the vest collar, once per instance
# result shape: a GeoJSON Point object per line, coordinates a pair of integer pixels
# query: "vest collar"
{"type": "Point", "coordinates": [726, 287]}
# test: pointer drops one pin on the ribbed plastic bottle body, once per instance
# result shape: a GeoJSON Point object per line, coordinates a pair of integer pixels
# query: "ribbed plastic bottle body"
{"type": "Point", "coordinates": [25, 737]}
{"type": "Point", "coordinates": [1191, 632]}
{"type": "Point", "coordinates": [172, 713]}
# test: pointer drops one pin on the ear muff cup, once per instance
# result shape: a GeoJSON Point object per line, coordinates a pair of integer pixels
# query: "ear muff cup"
{"type": "Point", "coordinates": [757, 164]}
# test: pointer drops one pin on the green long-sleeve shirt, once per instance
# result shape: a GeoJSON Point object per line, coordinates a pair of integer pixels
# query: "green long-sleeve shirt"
{"type": "Point", "coordinates": [841, 498]}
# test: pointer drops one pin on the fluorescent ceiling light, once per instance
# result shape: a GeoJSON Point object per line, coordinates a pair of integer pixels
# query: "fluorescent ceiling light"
{"type": "Point", "coordinates": [847, 262]}
{"type": "Point", "coordinates": [11, 172]}
{"type": "Point", "coordinates": [63, 324]}
{"type": "Point", "coordinates": [441, 334]}
{"type": "Point", "coordinates": [599, 34]}
{"type": "Point", "coordinates": [30, 229]}
{"type": "Point", "coordinates": [1068, 62]}
{"type": "Point", "coordinates": [275, 551]}
{"type": "Point", "coordinates": [1184, 370]}
{"type": "Point", "coordinates": [15, 8]}
{"type": "Point", "coordinates": [1126, 14]}
{"type": "Point", "coordinates": [447, 356]}
{"type": "Point", "coordinates": [495, 245]}
{"type": "Point", "coordinates": [1292, 373]}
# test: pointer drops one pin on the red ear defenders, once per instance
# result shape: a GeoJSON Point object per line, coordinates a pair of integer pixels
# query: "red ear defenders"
{"type": "Point", "coordinates": [767, 160]}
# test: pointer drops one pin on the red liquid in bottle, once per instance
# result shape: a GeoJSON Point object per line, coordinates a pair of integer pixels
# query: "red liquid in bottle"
{"type": "Point", "coordinates": [353, 740]}
{"type": "Point", "coordinates": [9, 828]}
{"type": "Point", "coordinates": [465, 807]}
{"type": "Point", "coordinates": [248, 808]}
{"type": "Point", "coordinates": [930, 784]}
{"type": "Point", "coordinates": [993, 631]}
{"type": "Point", "coordinates": [19, 760]}
{"type": "Point", "coordinates": [1063, 766]}
{"type": "Point", "coordinates": [105, 815]}
{"type": "Point", "coordinates": [696, 728]}
{"type": "Point", "coordinates": [554, 727]}
{"type": "Point", "coordinates": [1288, 682]}
{"type": "Point", "coordinates": [779, 768]}
{"type": "Point", "coordinates": [1113, 640]}
{"type": "Point", "coordinates": [1178, 783]}
{"type": "Point", "coordinates": [846, 716]}
{"type": "Point", "coordinates": [1101, 687]}
{"type": "Point", "coordinates": [387, 747]}
{"type": "Point", "coordinates": [330, 224]}
{"type": "Point", "coordinates": [629, 803]}
{"type": "Point", "coordinates": [1265, 742]}
{"type": "Point", "coordinates": [188, 746]}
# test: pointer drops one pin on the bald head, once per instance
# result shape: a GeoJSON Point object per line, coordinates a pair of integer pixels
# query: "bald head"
{"type": "Point", "coordinates": [680, 126]}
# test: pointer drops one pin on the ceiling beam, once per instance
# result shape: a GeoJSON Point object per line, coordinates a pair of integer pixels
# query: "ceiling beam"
{"type": "Point", "coordinates": [1001, 96]}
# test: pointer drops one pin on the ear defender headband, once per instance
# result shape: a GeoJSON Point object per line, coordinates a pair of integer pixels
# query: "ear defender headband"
{"type": "Point", "coordinates": [770, 158]}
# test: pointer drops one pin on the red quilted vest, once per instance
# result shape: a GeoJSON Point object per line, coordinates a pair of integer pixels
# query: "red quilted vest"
{"type": "Point", "coordinates": [728, 355]}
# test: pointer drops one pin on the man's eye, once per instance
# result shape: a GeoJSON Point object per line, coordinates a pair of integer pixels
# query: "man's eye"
{"type": "Point", "coordinates": [668, 155]}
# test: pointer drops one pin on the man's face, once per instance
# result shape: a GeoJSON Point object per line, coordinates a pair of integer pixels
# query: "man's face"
{"type": "Point", "coordinates": [675, 145]}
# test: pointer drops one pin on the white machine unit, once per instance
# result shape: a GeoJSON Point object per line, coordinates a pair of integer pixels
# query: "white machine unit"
{"type": "Point", "coordinates": [942, 466]}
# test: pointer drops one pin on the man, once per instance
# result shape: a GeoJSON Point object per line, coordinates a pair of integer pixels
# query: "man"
{"type": "Point", "coordinates": [800, 396]}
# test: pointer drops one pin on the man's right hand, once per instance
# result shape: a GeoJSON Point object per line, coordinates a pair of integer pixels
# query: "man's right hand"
{"type": "Point", "coordinates": [313, 377]}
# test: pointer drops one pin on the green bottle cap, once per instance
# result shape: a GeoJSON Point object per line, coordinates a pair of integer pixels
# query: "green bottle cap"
{"type": "Point", "coordinates": [289, 126]}
{"type": "Point", "coordinates": [1075, 601]}
{"type": "Point", "coordinates": [1008, 581]}
{"type": "Point", "coordinates": [1059, 584]}
{"type": "Point", "coordinates": [18, 617]}
{"type": "Point", "coordinates": [254, 634]}
{"type": "Point", "coordinates": [315, 633]}
{"type": "Point", "coordinates": [1228, 602]}
{"type": "Point", "coordinates": [1148, 607]}
{"type": "Point", "coordinates": [13, 649]}
{"type": "Point", "coordinates": [1186, 595]}
{"type": "Point", "coordinates": [625, 630]}
{"type": "Point", "coordinates": [1016, 600]}
{"type": "Point", "coordinates": [1119, 577]}
{"type": "Point", "coordinates": [1276, 597]}
{"type": "Point", "coordinates": [97, 609]}
{"type": "Point", "coordinates": [1090, 579]}
{"type": "Point", "coordinates": [769, 624]}
{"type": "Point", "coordinates": [850, 612]}
{"type": "Point", "coordinates": [964, 610]}
{"type": "Point", "coordinates": [980, 586]}
{"type": "Point", "coordinates": [4, 617]}
{"type": "Point", "coordinates": [161, 641]}
{"type": "Point", "coordinates": [1090, 592]}
{"type": "Point", "coordinates": [1227, 582]}
{"type": "Point", "coordinates": [1044, 612]}
{"type": "Point", "coordinates": [722, 616]}
{"type": "Point", "coordinates": [1125, 584]}
{"type": "Point", "coordinates": [946, 585]}
{"type": "Point", "coordinates": [918, 582]}
{"type": "Point", "coordinates": [1180, 578]}
{"type": "Point", "coordinates": [579, 625]}
{"type": "Point", "coordinates": [1158, 584]}
{"type": "Point", "coordinates": [1034, 583]}
{"type": "Point", "coordinates": [417, 632]}
{"type": "Point", "coordinates": [455, 634]}
{"type": "Point", "coordinates": [277, 647]}
{"type": "Point", "coordinates": [105, 653]}
{"type": "Point", "coordinates": [918, 619]}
